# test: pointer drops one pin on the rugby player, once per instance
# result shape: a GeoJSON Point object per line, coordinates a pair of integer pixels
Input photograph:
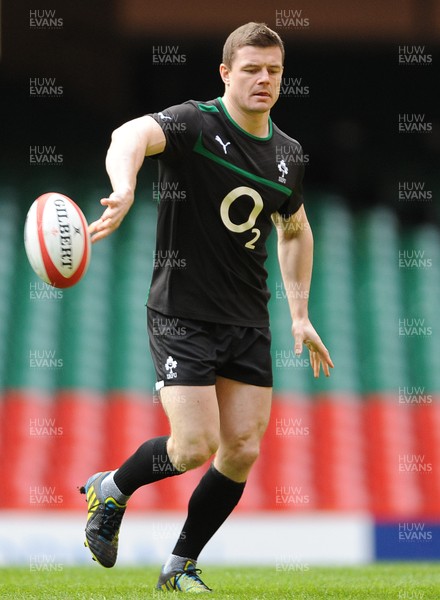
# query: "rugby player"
{"type": "Point", "coordinates": [241, 175]}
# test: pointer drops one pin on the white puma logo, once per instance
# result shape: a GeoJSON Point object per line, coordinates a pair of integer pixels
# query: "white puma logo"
{"type": "Point", "coordinates": [219, 140]}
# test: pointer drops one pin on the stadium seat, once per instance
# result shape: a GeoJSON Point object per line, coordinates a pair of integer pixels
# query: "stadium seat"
{"type": "Point", "coordinates": [391, 456]}
{"type": "Point", "coordinates": [420, 271]}
{"type": "Point", "coordinates": [130, 364]}
{"type": "Point", "coordinates": [9, 248]}
{"type": "Point", "coordinates": [339, 450]}
{"type": "Point", "coordinates": [31, 367]}
{"type": "Point", "coordinates": [29, 437]}
{"type": "Point", "coordinates": [132, 418]}
{"type": "Point", "coordinates": [427, 428]}
{"type": "Point", "coordinates": [379, 303]}
{"type": "Point", "coordinates": [80, 450]}
{"type": "Point", "coordinates": [77, 371]}
{"type": "Point", "coordinates": [85, 346]}
{"type": "Point", "coordinates": [9, 244]}
{"type": "Point", "coordinates": [333, 295]}
{"type": "Point", "coordinates": [286, 463]}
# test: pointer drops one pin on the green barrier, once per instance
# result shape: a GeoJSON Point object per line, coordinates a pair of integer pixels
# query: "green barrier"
{"type": "Point", "coordinates": [131, 366]}
{"type": "Point", "coordinates": [9, 245]}
{"type": "Point", "coordinates": [93, 336]}
{"type": "Point", "coordinates": [379, 303]}
{"type": "Point", "coordinates": [331, 306]}
{"type": "Point", "coordinates": [419, 264]}
{"type": "Point", "coordinates": [34, 360]}
{"type": "Point", "coordinates": [85, 331]}
{"type": "Point", "coordinates": [332, 302]}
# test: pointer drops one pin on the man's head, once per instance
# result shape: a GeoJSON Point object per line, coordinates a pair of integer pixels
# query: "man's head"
{"type": "Point", "coordinates": [251, 34]}
{"type": "Point", "coordinates": [252, 67]}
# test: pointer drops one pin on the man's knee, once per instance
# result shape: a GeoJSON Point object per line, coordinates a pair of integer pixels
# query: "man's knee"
{"type": "Point", "coordinates": [192, 453]}
{"type": "Point", "coordinates": [242, 453]}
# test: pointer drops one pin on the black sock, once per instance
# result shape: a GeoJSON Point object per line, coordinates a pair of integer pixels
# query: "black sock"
{"type": "Point", "coordinates": [149, 463]}
{"type": "Point", "coordinates": [211, 503]}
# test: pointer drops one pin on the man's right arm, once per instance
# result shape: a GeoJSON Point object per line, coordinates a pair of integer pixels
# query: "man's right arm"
{"type": "Point", "coordinates": [130, 144]}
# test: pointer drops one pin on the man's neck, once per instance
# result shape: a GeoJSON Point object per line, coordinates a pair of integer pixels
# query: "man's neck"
{"type": "Point", "coordinates": [254, 123]}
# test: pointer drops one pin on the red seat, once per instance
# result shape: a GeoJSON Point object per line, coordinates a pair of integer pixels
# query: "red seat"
{"type": "Point", "coordinates": [29, 438]}
{"type": "Point", "coordinates": [390, 453]}
{"type": "Point", "coordinates": [285, 465]}
{"type": "Point", "coordinates": [427, 428]}
{"type": "Point", "coordinates": [339, 450]}
{"type": "Point", "coordinates": [81, 449]}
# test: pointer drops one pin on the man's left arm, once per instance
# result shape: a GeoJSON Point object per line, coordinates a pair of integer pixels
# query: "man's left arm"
{"type": "Point", "coordinates": [295, 255]}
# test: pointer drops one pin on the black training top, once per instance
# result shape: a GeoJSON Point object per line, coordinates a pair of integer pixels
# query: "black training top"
{"type": "Point", "coordinates": [218, 187]}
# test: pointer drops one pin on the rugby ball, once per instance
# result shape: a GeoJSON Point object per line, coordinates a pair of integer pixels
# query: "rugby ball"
{"type": "Point", "coordinates": [56, 240]}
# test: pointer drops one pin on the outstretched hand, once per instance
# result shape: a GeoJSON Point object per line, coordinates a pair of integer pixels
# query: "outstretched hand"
{"type": "Point", "coordinates": [118, 206]}
{"type": "Point", "coordinates": [304, 333]}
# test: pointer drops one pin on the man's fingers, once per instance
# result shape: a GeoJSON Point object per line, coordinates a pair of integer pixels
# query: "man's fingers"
{"type": "Point", "coordinates": [99, 236]}
{"type": "Point", "coordinates": [315, 362]}
{"type": "Point", "coordinates": [92, 227]}
{"type": "Point", "coordinates": [325, 368]}
{"type": "Point", "coordinates": [99, 229]}
{"type": "Point", "coordinates": [108, 222]}
{"type": "Point", "coordinates": [312, 361]}
{"type": "Point", "coordinates": [326, 357]}
{"type": "Point", "coordinates": [95, 231]}
{"type": "Point", "coordinates": [95, 227]}
{"type": "Point", "coordinates": [326, 362]}
{"type": "Point", "coordinates": [116, 208]}
{"type": "Point", "coordinates": [110, 202]}
{"type": "Point", "coordinates": [319, 357]}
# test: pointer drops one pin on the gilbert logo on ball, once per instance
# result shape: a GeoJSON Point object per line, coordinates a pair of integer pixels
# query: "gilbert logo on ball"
{"type": "Point", "coordinates": [56, 240]}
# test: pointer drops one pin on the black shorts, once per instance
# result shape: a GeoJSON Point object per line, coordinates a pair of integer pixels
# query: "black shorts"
{"type": "Point", "coordinates": [191, 352]}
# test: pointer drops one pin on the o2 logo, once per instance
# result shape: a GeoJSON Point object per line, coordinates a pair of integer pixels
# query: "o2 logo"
{"type": "Point", "coordinates": [226, 204]}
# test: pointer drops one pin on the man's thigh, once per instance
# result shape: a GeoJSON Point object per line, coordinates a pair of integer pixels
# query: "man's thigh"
{"type": "Point", "coordinates": [244, 409]}
{"type": "Point", "coordinates": [231, 408]}
{"type": "Point", "coordinates": [193, 413]}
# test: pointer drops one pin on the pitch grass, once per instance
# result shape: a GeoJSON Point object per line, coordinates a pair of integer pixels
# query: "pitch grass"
{"type": "Point", "coordinates": [384, 581]}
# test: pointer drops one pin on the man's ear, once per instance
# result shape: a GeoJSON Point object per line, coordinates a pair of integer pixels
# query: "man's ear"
{"type": "Point", "coordinates": [224, 73]}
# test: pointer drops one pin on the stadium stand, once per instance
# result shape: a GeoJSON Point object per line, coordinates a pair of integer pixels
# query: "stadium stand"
{"type": "Point", "coordinates": [75, 371]}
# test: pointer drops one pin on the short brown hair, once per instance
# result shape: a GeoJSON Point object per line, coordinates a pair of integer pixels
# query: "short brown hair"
{"type": "Point", "coordinates": [251, 34]}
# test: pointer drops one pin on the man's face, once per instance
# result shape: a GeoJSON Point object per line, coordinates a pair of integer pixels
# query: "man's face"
{"type": "Point", "coordinates": [253, 81]}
